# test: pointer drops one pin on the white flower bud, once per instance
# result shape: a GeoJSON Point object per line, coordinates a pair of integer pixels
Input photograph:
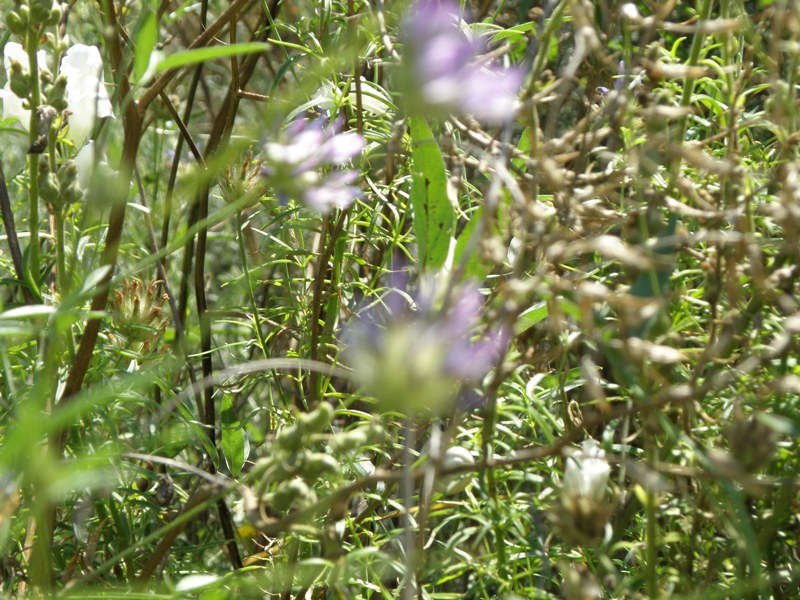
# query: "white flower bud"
{"type": "Point", "coordinates": [586, 475]}
{"type": "Point", "coordinates": [630, 12]}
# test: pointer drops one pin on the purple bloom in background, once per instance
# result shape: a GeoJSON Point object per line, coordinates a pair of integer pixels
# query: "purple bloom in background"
{"type": "Point", "coordinates": [445, 70]}
{"type": "Point", "coordinates": [413, 361]}
{"type": "Point", "coordinates": [620, 81]}
{"type": "Point", "coordinates": [303, 165]}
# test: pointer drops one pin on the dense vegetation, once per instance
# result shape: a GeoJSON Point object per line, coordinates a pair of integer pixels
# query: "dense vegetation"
{"type": "Point", "coordinates": [343, 299]}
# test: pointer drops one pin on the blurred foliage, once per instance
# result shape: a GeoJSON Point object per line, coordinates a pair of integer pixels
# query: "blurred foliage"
{"type": "Point", "coordinates": [634, 232]}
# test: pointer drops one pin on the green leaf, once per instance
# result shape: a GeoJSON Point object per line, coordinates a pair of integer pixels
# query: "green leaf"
{"type": "Point", "coordinates": [198, 55]}
{"type": "Point", "coordinates": [655, 283]}
{"type": "Point", "coordinates": [31, 311]}
{"type": "Point", "coordinates": [524, 146]}
{"type": "Point", "coordinates": [234, 441]}
{"type": "Point", "coordinates": [531, 316]}
{"type": "Point", "coordinates": [145, 42]}
{"type": "Point", "coordinates": [433, 215]}
{"type": "Point", "coordinates": [473, 265]}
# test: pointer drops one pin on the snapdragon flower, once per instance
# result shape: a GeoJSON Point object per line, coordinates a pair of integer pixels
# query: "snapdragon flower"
{"type": "Point", "coordinates": [305, 165]}
{"type": "Point", "coordinates": [587, 472]}
{"type": "Point", "coordinates": [445, 69]}
{"type": "Point", "coordinates": [86, 95]}
{"type": "Point", "coordinates": [412, 361]}
{"type": "Point", "coordinates": [12, 104]}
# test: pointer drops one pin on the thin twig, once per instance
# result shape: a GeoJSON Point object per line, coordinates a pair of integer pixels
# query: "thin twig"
{"type": "Point", "coordinates": [11, 236]}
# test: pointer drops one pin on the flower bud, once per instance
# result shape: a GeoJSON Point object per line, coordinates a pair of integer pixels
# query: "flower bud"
{"type": "Point", "coordinates": [454, 457]}
{"type": "Point", "coordinates": [24, 14]}
{"type": "Point", "coordinates": [15, 23]}
{"type": "Point", "coordinates": [349, 441]}
{"type": "Point", "coordinates": [318, 419]}
{"type": "Point", "coordinates": [71, 191]}
{"type": "Point", "coordinates": [56, 94]}
{"type": "Point", "coordinates": [317, 464]}
{"type": "Point", "coordinates": [291, 438]}
{"type": "Point", "coordinates": [55, 14]}
{"type": "Point", "coordinates": [583, 512]}
{"type": "Point", "coordinates": [19, 80]}
{"type": "Point", "coordinates": [40, 11]}
{"type": "Point", "coordinates": [48, 185]}
{"type": "Point", "coordinates": [587, 473]}
{"type": "Point", "coordinates": [292, 493]}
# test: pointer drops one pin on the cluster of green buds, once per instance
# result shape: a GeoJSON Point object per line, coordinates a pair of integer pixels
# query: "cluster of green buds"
{"type": "Point", "coordinates": [38, 14]}
{"type": "Point", "coordinates": [34, 13]}
{"type": "Point", "coordinates": [138, 316]}
{"type": "Point", "coordinates": [60, 189]}
{"type": "Point", "coordinates": [290, 473]}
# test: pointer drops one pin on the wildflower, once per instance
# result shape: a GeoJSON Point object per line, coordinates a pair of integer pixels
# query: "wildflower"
{"type": "Point", "coordinates": [90, 165]}
{"type": "Point", "coordinates": [445, 69]}
{"type": "Point", "coordinates": [86, 96]}
{"type": "Point", "coordinates": [13, 95]}
{"type": "Point", "coordinates": [454, 457]}
{"type": "Point", "coordinates": [582, 515]}
{"type": "Point", "coordinates": [296, 168]}
{"type": "Point", "coordinates": [587, 472]}
{"type": "Point", "coordinates": [414, 362]}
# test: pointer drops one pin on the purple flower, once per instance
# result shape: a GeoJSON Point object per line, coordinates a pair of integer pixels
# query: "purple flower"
{"type": "Point", "coordinates": [412, 361]}
{"type": "Point", "coordinates": [303, 165]}
{"type": "Point", "coordinates": [445, 69]}
{"type": "Point", "coordinates": [620, 80]}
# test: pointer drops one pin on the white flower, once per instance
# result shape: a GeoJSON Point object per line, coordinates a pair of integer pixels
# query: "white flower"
{"type": "Point", "coordinates": [455, 457]}
{"type": "Point", "coordinates": [86, 95]}
{"type": "Point", "coordinates": [87, 98]}
{"type": "Point", "coordinates": [630, 12]}
{"type": "Point", "coordinates": [587, 472]}
{"type": "Point", "coordinates": [90, 164]}
{"type": "Point", "coordinates": [12, 105]}
{"type": "Point", "coordinates": [196, 581]}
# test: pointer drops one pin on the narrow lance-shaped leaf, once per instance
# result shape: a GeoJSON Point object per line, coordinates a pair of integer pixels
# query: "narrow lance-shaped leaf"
{"type": "Point", "coordinates": [234, 440]}
{"type": "Point", "coordinates": [433, 215]}
{"type": "Point", "coordinates": [198, 55]}
{"type": "Point", "coordinates": [145, 42]}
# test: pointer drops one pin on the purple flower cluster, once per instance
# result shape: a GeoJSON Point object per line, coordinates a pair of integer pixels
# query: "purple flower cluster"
{"type": "Point", "coordinates": [446, 71]}
{"type": "Point", "coordinates": [414, 360]}
{"type": "Point", "coordinates": [305, 165]}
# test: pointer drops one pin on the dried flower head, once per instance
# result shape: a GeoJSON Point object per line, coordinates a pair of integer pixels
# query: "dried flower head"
{"type": "Point", "coordinates": [138, 314]}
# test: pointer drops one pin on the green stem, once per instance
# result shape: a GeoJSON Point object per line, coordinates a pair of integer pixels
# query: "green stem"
{"type": "Point", "coordinates": [694, 57]}
{"type": "Point", "coordinates": [61, 262]}
{"type": "Point", "coordinates": [262, 342]}
{"type": "Point", "coordinates": [652, 531]}
{"type": "Point", "coordinates": [32, 44]}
